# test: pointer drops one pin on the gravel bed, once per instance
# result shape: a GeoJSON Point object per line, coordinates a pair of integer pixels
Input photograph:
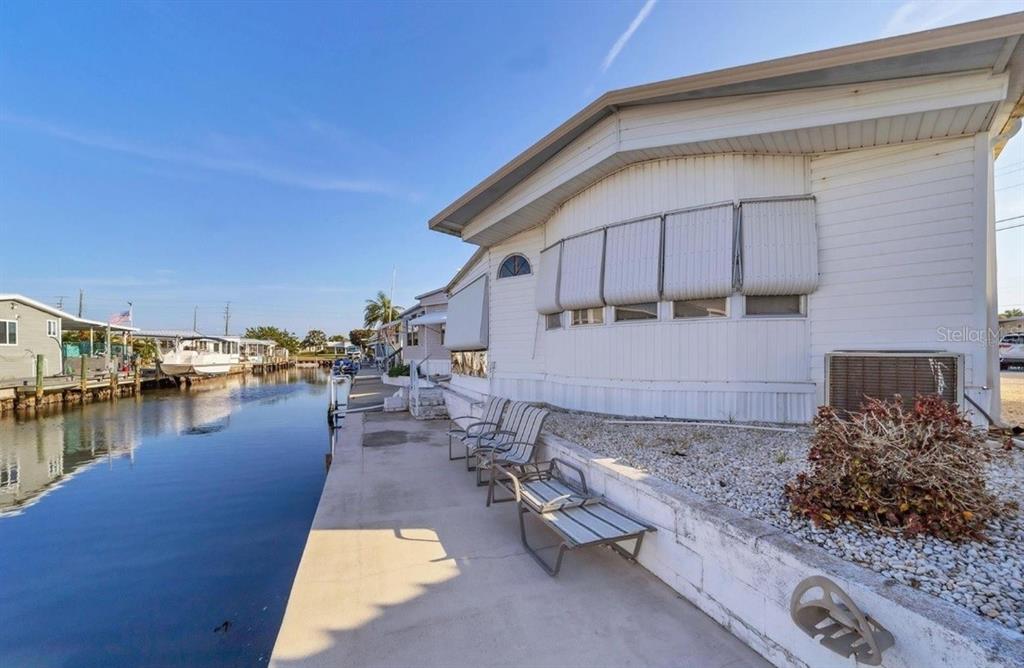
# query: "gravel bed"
{"type": "Point", "coordinates": [747, 470]}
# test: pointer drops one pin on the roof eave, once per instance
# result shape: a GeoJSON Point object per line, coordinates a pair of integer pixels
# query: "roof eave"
{"type": "Point", "coordinates": [468, 205]}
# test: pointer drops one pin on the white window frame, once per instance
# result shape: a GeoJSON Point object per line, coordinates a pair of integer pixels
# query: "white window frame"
{"type": "Point", "coordinates": [17, 334]}
{"type": "Point", "coordinates": [597, 309]}
{"type": "Point", "coordinates": [700, 318]}
{"type": "Point", "coordinates": [787, 316]}
{"type": "Point", "coordinates": [635, 321]}
{"type": "Point", "coordinates": [55, 333]}
{"type": "Point", "coordinates": [529, 266]}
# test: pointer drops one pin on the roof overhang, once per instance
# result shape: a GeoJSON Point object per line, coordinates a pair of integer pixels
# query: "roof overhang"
{"type": "Point", "coordinates": [432, 318]}
{"type": "Point", "coordinates": [69, 323]}
{"type": "Point", "coordinates": [993, 45]}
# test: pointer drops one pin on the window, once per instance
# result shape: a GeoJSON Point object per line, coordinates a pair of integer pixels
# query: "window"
{"type": "Point", "coordinates": [51, 328]}
{"type": "Point", "coordinates": [645, 311]}
{"type": "Point", "coordinates": [775, 305]}
{"type": "Point", "coordinates": [442, 335]}
{"type": "Point", "coordinates": [8, 332]}
{"type": "Point", "coordinates": [412, 337]}
{"type": "Point", "coordinates": [700, 308]}
{"type": "Point", "coordinates": [588, 316]}
{"type": "Point", "coordinates": [514, 265]}
{"type": "Point", "coordinates": [553, 321]}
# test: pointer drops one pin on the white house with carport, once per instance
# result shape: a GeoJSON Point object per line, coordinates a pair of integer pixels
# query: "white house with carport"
{"type": "Point", "coordinates": [750, 243]}
{"type": "Point", "coordinates": [423, 330]}
{"type": "Point", "coordinates": [29, 328]}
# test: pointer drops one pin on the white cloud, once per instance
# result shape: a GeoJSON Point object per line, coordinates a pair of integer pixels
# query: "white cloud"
{"type": "Point", "coordinates": [624, 38]}
{"type": "Point", "coordinates": [270, 173]}
{"type": "Point", "coordinates": [917, 15]}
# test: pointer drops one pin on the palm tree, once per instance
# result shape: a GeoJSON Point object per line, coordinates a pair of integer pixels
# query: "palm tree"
{"type": "Point", "coordinates": [379, 311]}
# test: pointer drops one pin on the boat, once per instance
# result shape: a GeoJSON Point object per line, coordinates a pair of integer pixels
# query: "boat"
{"type": "Point", "coordinates": [199, 356]}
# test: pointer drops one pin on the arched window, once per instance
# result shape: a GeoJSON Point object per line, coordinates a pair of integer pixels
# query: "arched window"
{"type": "Point", "coordinates": [514, 265]}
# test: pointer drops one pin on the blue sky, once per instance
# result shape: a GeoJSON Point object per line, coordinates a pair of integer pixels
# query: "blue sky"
{"type": "Point", "coordinates": [284, 157]}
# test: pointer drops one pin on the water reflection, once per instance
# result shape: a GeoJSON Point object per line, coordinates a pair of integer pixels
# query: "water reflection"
{"type": "Point", "coordinates": [131, 531]}
{"type": "Point", "coordinates": [39, 455]}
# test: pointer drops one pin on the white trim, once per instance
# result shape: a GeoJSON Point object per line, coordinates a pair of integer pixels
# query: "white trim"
{"type": "Point", "coordinates": [17, 334]}
{"type": "Point", "coordinates": [700, 318]}
{"type": "Point", "coordinates": [783, 316]}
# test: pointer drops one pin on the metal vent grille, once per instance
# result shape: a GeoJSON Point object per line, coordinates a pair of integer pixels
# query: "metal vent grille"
{"type": "Point", "coordinates": [852, 377]}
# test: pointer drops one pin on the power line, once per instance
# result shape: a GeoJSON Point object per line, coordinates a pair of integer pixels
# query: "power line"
{"type": "Point", "coordinates": [1009, 227]}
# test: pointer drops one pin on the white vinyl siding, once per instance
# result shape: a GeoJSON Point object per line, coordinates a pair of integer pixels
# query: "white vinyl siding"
{"type": "Point", "coordinates": [632, 262]}
{"type": "Point", "coordinates": [547, 281]}
{"type": "Point", "coordinates": [780, 247]}
{"type": "Point", "coordinates": [580, 283]}
{"type": "Point", "coordinates": [466, 327]}
{"type": "Point", "coordinates": [699, 253]}
{"type": "Point", "coordinates": [897, 244]}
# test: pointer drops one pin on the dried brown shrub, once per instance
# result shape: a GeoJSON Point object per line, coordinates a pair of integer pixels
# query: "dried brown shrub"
{"type": "Point", "coordinates": [918, 471]}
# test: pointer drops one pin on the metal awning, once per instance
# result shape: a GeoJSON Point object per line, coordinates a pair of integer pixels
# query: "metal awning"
{"type": "Point", "coordinates": [434, 318]}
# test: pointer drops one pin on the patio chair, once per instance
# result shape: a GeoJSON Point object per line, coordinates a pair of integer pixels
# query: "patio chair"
{"type": "Point", "coordinates": [565, 505]}
{"type": "Point", "coordinates": [487, 421]}
{"type": "Point", "coordinates": [514, 444]}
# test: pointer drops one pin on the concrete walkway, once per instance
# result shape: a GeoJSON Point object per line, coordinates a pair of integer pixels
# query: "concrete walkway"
{"type": "Point", "coordinates": [404, 566]}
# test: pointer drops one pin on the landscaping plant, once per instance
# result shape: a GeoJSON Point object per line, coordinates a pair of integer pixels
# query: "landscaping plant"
{"type": "Point", "coordinates": [917, 470]}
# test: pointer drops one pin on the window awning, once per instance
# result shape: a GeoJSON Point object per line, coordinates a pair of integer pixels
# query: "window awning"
{"type": "Point", "coordinates": [580, 284]}
{"type": "Point", "coordinates": [699, 253]}
{"type": "Point", "coordinates": [779, 246]}
{"type": "Point", "coordinates": [632, 262]}
{"type": "Point", "coordinates": [466, 327]}
{"type": "Point", "coordinates": [547, 280]}
{"type": "Point", "coordinates": [435, 318]}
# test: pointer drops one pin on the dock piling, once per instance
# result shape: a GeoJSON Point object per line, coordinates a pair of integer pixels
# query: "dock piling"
{"type": "Point", "coordinates": [39, 378]}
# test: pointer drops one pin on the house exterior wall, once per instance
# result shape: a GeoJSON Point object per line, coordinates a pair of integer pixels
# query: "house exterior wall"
{"type": "Point", "coordinates": [18, 361]}
{"type": "Point", "coordinates": [900, 230]}
{"type": "Point", "coordinates": [899, 236]}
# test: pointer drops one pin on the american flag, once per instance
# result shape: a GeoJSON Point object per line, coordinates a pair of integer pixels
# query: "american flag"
{"type": "Point", "coordinates": [123, 318]}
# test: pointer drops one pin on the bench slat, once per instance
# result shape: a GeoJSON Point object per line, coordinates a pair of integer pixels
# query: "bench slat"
{"type": "Point", "coordinates": [624, 523]}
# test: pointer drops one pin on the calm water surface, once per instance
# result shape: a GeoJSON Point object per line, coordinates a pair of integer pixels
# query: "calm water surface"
{"type": "Point", "coordinates": [159, 532]}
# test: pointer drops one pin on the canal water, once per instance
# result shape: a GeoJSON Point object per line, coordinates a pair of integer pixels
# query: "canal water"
{"type": "Point", "coordinates": [163, 531]}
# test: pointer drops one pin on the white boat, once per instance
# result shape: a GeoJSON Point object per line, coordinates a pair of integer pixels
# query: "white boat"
{"type": "Point", "coordinates": [199, 356]}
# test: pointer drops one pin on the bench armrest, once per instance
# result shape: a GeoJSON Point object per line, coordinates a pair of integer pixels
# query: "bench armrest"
{"type": "Point", "coordinates": [558, 464]}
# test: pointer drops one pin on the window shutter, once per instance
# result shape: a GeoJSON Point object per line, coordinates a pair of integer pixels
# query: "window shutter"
{"type": "Point", "coordinates": [466, 328]}
{"type": "Point", "coordinates": [779, 247]}
{"type": "Point", "coordinates": [699, 253]}
{"type": "Point", "coordinates": [580, 285]}
{"type": "Point", "coordinates": [547, 280]}
{"type": "Point", "coordinates": [632, 262]}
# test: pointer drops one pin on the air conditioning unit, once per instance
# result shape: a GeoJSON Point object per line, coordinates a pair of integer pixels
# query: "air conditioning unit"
{"type": "Point", "coordinates": [851, 376]}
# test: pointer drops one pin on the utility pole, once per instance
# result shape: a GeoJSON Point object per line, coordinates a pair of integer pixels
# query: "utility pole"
{"type": "Point", "coordinates": [81, 299]}
{"type": "Point", "coordinates": [391, 299]}
{"type": "Point", "coordinates": [227, 317]}
{"type": "Point", "coordinates": [195, 316]}
{"type": "Point", "coordinates": [60, 302]}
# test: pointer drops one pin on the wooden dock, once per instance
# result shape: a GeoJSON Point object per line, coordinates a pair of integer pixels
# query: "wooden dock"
{"type": "Point", "coordinates": [64, 391]}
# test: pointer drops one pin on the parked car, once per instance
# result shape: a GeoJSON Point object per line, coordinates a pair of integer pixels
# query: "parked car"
{"type": "Point", "coordinates": [1011, 350]}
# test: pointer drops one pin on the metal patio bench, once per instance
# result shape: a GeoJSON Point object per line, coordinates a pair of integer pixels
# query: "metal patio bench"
{"type": "Point", "coordinates": [513, 444]}
{"type": "Point", "coordinates": [567, 507]}
{"type": "Point", "coordinates": [488, 421]}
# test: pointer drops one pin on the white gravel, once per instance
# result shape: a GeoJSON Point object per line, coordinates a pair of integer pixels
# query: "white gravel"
{"type": "Point", "coordinates": [747, 470]}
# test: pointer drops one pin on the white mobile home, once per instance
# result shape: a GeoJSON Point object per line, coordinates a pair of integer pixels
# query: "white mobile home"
{"type": "Point", "coordinates": [423, 326]}
{"type": "Point", "coordinates": [750, 243]}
